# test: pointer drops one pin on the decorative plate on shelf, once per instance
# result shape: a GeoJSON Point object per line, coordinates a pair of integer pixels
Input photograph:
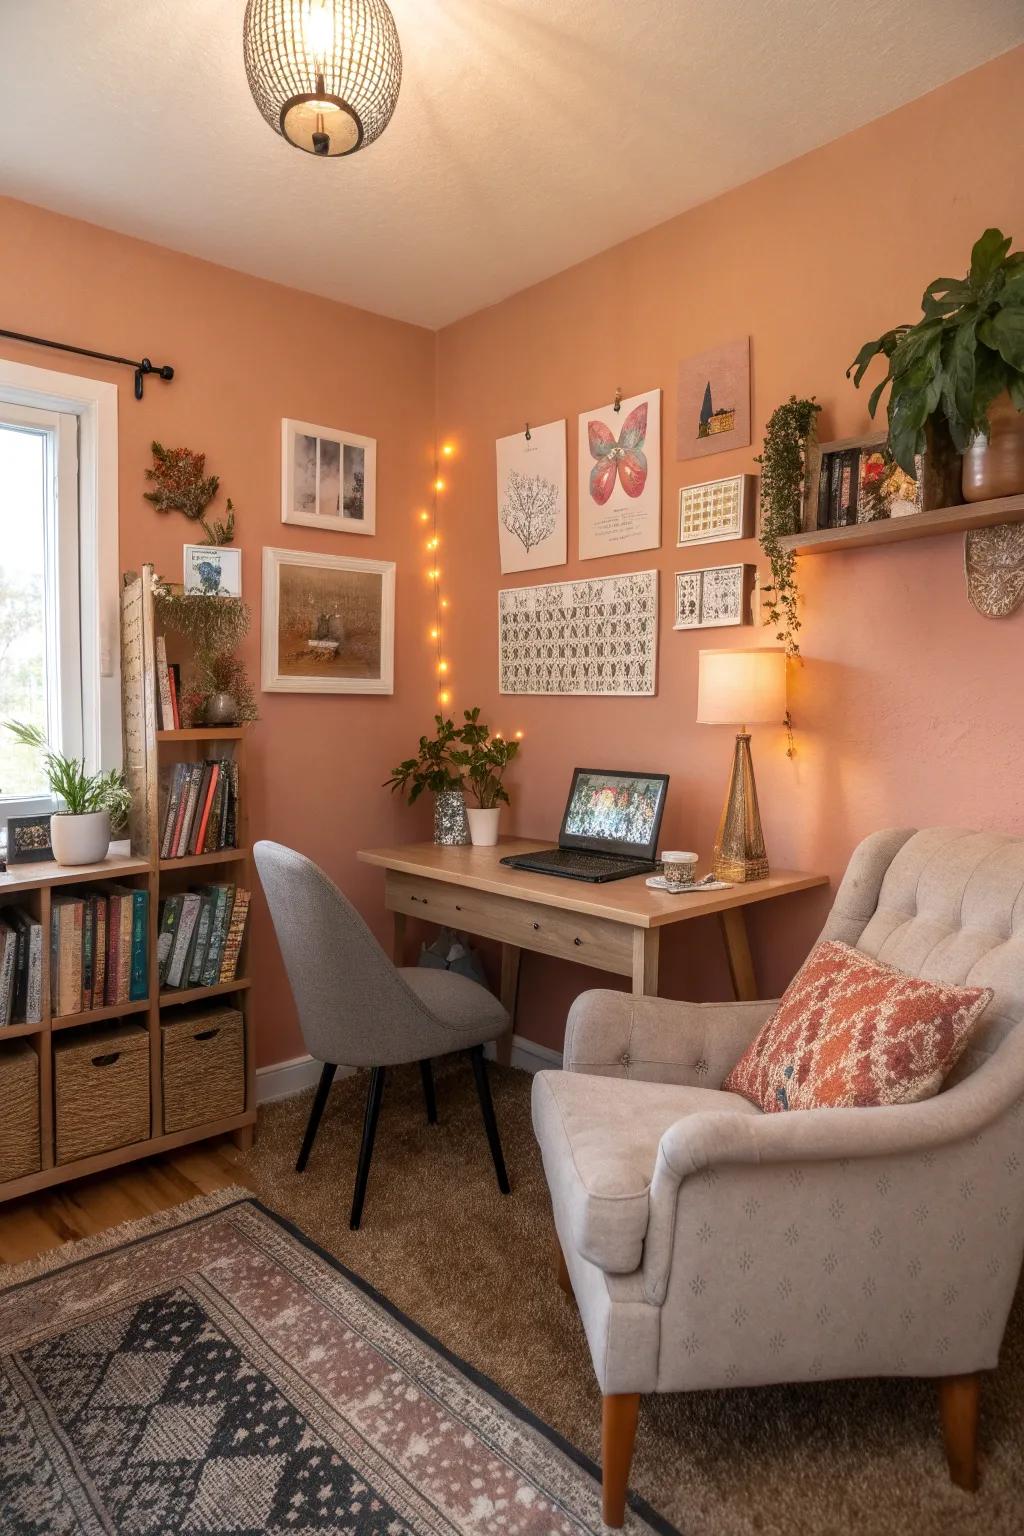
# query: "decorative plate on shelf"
{"type": "Point", "coordinates": [994, 567]}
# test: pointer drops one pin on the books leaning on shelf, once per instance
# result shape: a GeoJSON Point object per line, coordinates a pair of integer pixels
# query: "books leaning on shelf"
{"type": "Point", "coordinates": [168, 685]}
{"type": "Point", "coordinates": [200, 936]}
{"type": "Point", "coordinates": [99, 949]}
{"type": "Point", "coordinates": [200, 808]}
{"type": "Point", "coordinates": [21, 968]}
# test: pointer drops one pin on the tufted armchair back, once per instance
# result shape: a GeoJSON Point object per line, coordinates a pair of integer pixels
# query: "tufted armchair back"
{"type": "Point", "coordinates": [945, 904]}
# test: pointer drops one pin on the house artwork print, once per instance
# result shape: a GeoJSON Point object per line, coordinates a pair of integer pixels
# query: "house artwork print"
{"type": "Point", "coordinates": [713, 411]}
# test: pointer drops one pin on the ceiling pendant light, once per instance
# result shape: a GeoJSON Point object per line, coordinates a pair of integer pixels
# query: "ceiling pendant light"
{"type": "Point", "coordinates": [324, 73]}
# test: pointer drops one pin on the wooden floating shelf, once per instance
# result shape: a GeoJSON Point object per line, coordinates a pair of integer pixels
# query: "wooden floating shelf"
{"type": "Point", "coordinates": [98, 1015]}
{"type": "Point", "coordinates": [171, 996]}
{"type": "Point", "coordinates": [203, 733]}
{"type": "Point", "coordinates": [197, 860]}
{"type": "Point", "coordinates": [917, 525]}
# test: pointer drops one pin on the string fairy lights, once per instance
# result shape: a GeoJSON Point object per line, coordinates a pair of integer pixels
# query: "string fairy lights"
{"type": "Point", "coordinates": [433, 543]}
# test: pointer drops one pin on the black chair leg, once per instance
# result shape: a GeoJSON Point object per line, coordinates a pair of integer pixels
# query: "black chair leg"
{"type": "Point", "coordinates": [483, 1089]}
{"type": "Point", "coordinates": [427, 1074]}
{"type": "Point", "coordinates": [373, 1098]}
{"type": "Point", "coordinates": [323, 1088]}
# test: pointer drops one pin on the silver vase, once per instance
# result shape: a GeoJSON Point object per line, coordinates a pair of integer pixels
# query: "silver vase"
{"type": "Point", "coordinates": [221, 709]}
{"type": "Point", "coordinates": [451, 827]}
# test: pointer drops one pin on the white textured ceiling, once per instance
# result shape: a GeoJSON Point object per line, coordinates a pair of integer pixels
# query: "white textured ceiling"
{"type": "Point", "coordinates": [529, 133]}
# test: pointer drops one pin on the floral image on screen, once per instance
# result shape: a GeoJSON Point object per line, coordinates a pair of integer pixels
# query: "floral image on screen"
{"type": "Point", "coordinates": [328, 478]}
{"type": "Point", "coordinates": [609, 806]}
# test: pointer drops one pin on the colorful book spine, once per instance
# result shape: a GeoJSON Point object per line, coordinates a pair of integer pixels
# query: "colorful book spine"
{"type": "Point", "coordinates": [171, 810]}
{"type": "Point", "coordinates": [113, 947]}
{"type": "Point", "coordinates": [231, 831]}
{"type": "Point", "coordinates": [124, 952]}
{"type": "Point", "coordinates": [138, 985]}
{"type": "Point", "coordinates": [99, 948]}
{"type": "Point", "coordinates": [218, 934]}
{"type": "Point", "coordinates": [199, 841]}
{"type": "Point", "coordinates": [191, 801]}
{"type": "Point", "coordinates": [212, 840]}
{"type": "Point", "coordinates": [236, 933]}
{"type": "Point", "coordinates": [22, 933]}
{"type": "Point", "coordinates": [88, 939]}
{"type": "Point", "coordinates": [201, 808]}
{"type": "Point", "coordinates": [183, 939]}
{"type": "Point", "coordinates": [163, 680]}
{"type": "Point", "coordinates": [201, 946]}
{"type": "Point", "coordinates": [8, 959]}
{"type": "Point", "coordinates": [169, 915]}
{"type": "Point", "coordinates": [174, 683]}
{"type": "Point", "coordinates": [34, 1006]}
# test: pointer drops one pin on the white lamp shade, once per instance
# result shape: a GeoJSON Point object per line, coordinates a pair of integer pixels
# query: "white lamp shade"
{"type": "Point", "coordinates": [742, 687]}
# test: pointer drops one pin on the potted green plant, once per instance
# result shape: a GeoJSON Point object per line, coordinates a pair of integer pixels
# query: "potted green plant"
{"type": "Point", "coordinates": [434, 769]}
{"type": "Point", "coordinates": [483, 759]}
{"type": "Point", "coordinates": [94, 804]}
{"type": "Point", "coordinates": [961, 368]}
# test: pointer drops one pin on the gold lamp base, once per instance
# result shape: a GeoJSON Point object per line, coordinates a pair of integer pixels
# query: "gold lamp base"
{"type": "Point", "coordinates": [739, 846]}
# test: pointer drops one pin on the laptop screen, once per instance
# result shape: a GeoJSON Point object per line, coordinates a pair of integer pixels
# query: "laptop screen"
{"type": "Point", "coordinates": [611, 812]}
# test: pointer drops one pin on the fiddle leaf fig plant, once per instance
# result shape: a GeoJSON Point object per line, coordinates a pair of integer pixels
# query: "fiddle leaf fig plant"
{"type": "Point", "coordinates": [967, 348]}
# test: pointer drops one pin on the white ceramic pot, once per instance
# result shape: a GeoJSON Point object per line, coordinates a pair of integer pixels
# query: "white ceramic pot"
{"type": "Point", "coordinates": [483, 826]}
{"type": "Point", "coordinates": [80, 839]}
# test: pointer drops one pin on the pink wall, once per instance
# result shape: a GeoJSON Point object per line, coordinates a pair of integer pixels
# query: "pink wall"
{"type": "Point", "coordinates": [246, 354]}
{"type": "Point", "coordinates": [904, 708]}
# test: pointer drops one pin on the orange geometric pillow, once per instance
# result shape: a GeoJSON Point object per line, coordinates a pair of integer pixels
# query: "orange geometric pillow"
{"type": "Point", "coordinates": [852, 1032]}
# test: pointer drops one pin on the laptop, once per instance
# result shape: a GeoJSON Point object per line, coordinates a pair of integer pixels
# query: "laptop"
{"type": "Point", "coordinates": [609, 830]}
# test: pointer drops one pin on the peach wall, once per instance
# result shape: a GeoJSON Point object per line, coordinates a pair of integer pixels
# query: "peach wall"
{"type": "Point", "coordinates": [905, 707]}
{"type": "Point", "coordinates": [246, 354]}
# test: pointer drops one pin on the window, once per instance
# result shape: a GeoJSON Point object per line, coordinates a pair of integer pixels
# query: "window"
{"type": "Point", "coordinates": [58, 575]}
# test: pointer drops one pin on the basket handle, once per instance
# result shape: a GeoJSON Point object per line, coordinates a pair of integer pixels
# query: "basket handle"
{"type": "Point", "coordinates": [106, 1061]}
{"type": "Point", "coordinates": [207, 1034]}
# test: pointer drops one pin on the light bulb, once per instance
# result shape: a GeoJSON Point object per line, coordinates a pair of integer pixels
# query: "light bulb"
{"type": "Point", "coordinates": [442, 666]}
{"type": "Point", "coordinates": [434, 634]}
{"type": "Point", "coordinates": [444, 697]}
{"type": "Point", "coordinates": [444, 602]}
{"type": "Point", "coordinates": [424, 517]}
{"type": "Point", "coordinates": [448, 449]}
{"type": "Point", "coordinates": [318, 27]}
{"type": "Point", "coordinates": [519, 735]}
{"type": "Point", "coordinates": [433, 543]}
{"type": "Point", "coordinates": [439, 484]}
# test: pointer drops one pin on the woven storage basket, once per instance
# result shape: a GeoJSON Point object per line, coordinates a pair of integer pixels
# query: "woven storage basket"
{"type": "Point", "coordinates": [101, 1088]}
{"type": "Point", "coordinates": [203, 1066]}
{"type": "Point", "coordinates": [19, 1110]}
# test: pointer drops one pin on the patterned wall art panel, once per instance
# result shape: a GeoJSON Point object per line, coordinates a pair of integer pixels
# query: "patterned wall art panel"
{"type": "Point", "coordinates": [717, 509]}
{"type": "Point", "coordinates": [620, 477]}
{"type": "Point", "coordinates": [595, 636]}
{"type": "Point", "coordinates": [715, 597]}
{"type": "Point", "coordinates": [531, 498]}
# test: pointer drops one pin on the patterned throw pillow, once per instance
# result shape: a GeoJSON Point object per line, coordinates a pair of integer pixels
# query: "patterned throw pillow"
{"type": "Point", "coordinates": [852, 1032]}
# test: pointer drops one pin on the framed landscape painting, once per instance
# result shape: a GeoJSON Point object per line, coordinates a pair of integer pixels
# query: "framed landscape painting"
{"type": "Point", "coordinates": [328, 478]}
{"type": "Point", "coordinates": [328, 623]}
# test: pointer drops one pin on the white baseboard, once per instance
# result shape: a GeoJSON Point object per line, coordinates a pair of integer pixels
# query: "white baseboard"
{"type": "Point", "coordinates": [284, 1078]}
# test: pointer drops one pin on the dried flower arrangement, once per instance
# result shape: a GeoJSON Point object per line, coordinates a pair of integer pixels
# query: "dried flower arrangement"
{"type": "Point", "coordinates": [214, 627]}
{"type": "Point", "coordinates": [182, 485]}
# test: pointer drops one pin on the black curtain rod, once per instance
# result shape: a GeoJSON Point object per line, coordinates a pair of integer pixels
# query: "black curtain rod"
{"type": "Point", "coordinates": [141, 368]}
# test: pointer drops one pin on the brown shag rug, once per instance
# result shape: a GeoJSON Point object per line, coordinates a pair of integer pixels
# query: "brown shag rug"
{"type": "Point", "coordinates": [475, 1269]}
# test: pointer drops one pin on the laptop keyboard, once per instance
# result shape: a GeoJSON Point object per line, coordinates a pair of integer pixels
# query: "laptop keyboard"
{"type": "Point", "coordinates": [580, 865]}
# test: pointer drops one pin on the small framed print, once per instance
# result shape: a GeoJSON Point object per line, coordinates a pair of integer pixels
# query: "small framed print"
{"type": "Point", "coordinates": [28, 839]}
{"type": "Point", "coordinates": [716, 509]}
{"type": "Point", "coordinates": [328, 478]}
{"type": "Point", "coordinates": [328, 623]}
{"type": "Point", "coordinates": [213, 568]}
{"type": "Point", "coordinates": [715, 597]}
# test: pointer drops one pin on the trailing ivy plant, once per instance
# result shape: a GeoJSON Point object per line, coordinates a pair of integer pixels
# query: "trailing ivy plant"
{"type": "Point", "coordinates": [783, 462]}
{"type": "Point", "coordinates": [967, 348]}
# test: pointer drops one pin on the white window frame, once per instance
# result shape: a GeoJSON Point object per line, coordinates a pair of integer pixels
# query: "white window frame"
{"type": "Point", "coordinates": [94, 404]}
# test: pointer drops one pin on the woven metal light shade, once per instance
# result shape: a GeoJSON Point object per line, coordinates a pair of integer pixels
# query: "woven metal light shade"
{"type": "Point", "coordinates": [324, 73]}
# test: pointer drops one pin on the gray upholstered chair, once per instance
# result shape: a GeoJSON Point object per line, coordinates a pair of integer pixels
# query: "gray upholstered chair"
{"type": "Point", "coordinates": [358, 1010]}
{"type": "Point", "coordinates": [710, 1245]}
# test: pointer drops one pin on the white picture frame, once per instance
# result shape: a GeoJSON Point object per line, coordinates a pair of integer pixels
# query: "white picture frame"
{"type": "Point", "coordinates": [328, 623]}
{"type": "Point", "coordinates": [224, 576]}
{"type": "Point", "coordinates": [328, 478]}
{"type": "Point", "coordinates": [716, 597]}
{"type": "Point", "coordinates": [713, 511]}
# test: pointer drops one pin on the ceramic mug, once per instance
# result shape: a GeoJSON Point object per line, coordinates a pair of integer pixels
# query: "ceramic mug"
{"type": "Point", "coordinates": [680, 869]}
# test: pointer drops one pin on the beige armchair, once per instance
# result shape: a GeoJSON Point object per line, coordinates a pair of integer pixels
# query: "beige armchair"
{"type": "Point", "coordinates": [709, 1245]}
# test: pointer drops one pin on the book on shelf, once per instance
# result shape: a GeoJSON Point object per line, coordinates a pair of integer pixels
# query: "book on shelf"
{"type": "Point", "coordinates": [200, 936]}
{"type": "Point", "coordinates": [163, 686]}
{"type": "Point", "coordinates": [99, 950]}
{"type": "Point", "coordinates": [199, 807]}
{"type": "Point", "coordinates": [21, 968]}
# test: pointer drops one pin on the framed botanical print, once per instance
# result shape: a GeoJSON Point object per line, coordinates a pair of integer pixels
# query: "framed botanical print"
{"type": "Point", "coordinates": [715, 597]}
{"type": "Point", "coordinates": [328, 623]}
{"type": "Point", "coordinates": [328, 478]}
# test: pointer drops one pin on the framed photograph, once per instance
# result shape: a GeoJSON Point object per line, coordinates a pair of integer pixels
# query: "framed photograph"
{"type": "Point", "coordinates": [713, 411]}
{"type": "Point", "coordinates": [328, 478]}
{"type": "Point", "coordinates": [328, 623]}
{"type": "Point", "coordinates": [716, 509]}
{"type": "Point", "coordinates": [213, 568]}
{"type": "Point", "coordinates": [715, 597]}
{"type": "Point", "coordinates": [28, 839]}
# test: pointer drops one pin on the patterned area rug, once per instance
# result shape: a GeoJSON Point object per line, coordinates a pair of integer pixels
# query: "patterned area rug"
{"type": "Point", "coordinates": [210, 1370]}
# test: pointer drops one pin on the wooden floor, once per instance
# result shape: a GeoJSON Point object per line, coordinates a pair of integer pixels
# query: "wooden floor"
{"type": "Point", "coordinates": [30, 1226]}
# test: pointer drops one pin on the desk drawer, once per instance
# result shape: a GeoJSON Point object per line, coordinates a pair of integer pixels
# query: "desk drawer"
{"type": "Point", "coordinates": [528, 924]}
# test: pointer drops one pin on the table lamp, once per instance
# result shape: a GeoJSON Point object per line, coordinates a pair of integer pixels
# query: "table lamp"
{"type": "Point", "coordinates": [741, 687]}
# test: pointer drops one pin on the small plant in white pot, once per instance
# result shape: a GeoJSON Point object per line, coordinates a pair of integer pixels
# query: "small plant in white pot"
{"type": "Point", "coordinates": [93, 804]}
{"type": "Point", "coordinates": [483, 759]}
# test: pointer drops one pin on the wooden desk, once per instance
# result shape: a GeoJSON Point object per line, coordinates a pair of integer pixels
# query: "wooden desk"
{"type": "Point", "coordinates": [614, 927]}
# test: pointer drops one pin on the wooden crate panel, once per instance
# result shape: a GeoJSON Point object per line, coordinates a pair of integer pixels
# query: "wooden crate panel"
{"type": "Point", "coordinates": [101, 1090]}
{"type": "Point", "coordinates": [203, 1065]}
{"type": "Point", "coordinates": [19, 1110]}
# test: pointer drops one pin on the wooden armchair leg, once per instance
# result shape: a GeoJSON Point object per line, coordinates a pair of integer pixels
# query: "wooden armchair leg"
{"type": "Point", "coordinates": [958, 1410]}
{"type": "Point", "coordinates": [618, 1431]}
{"type": "Point", "coordinates": [562, 1271]}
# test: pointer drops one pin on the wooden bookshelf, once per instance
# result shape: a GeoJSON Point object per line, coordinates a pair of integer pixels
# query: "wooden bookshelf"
{"type": "Point", "coordinates": [916, 525]}
{"type": "Point", "coordinates": [137, 863]}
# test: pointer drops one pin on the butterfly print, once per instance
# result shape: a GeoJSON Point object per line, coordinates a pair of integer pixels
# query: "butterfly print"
{"type": "Point", "coordinates": [625, 455]}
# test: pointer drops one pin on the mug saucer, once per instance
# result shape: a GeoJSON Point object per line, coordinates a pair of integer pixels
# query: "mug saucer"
{"type": "Point", "coordinates": [659, 883]}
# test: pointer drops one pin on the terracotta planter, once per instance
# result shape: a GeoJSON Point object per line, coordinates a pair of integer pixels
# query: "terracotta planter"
{"type": "Point", "coordinates": [996, 468]}
{"type": "Point", "coordinates": [483, 826]}
{"type": "Point", "coordinates": [80, 839]}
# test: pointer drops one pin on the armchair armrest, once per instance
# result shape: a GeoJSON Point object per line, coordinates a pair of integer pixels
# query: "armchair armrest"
{"type": "Point", "coordinates": [611, 1034]}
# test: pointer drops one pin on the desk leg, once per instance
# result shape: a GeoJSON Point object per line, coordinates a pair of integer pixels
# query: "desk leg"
{"type": "Point", "coordinates": [737, 949]}
{"type": "Point", "coordinates": [398, 938]}
{"type": "Point", "coordinates": [510, 954]}
{"type": "Point", "coordinates": [646, 943]}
